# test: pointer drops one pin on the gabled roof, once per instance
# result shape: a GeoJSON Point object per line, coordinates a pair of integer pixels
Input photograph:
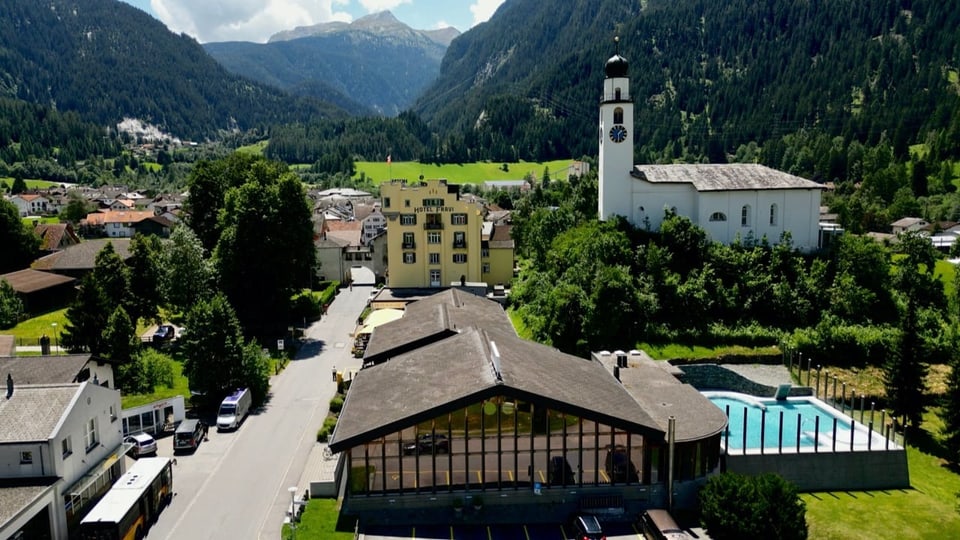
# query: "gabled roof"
{"type": "Point", "coordinates": [474, 365]}
{"type": "Point", "coordinates": [42, 369]}
{"type": "Point", "coordinates": [502, 238]}
{"type": "Point", "coordinates": [118, 216]}
{"type": "Point", "coordinates": [81, 256]}
{"type": "Point", "coordinates": [908, 222]}
{"type": "Point", "coordinates": [33, 412]}
{"type": "Point", "coordinates": [52, 235]}
{"type": "Point", "coordinates": [722, 177]}
{"type": "Point", "coordinates": [28, 280]}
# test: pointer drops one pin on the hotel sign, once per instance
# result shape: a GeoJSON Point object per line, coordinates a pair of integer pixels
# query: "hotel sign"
{"type": "Point", "coordinates": [433, 209]}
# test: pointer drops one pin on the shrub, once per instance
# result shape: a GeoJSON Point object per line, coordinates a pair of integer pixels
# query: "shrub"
{"type": "Point", "coordinates": [336, 404]}
{"type": "Point", "coordinates": [764, 506]}
{"type": "Point", "coordinates": [158, 368]}
{"type": "Point", "coordinates": [11, 307]}
{"type": "Point", "coordinates": [324, 434]}
{"type": "Point", "coordinates": [305, 306]}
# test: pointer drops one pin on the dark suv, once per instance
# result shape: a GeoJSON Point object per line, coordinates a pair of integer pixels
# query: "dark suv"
{"type": "Point", "coordinates": [164, 333]}
{"type": "Point", "coordinates": [426, 444]}
{"type": "Point", "coordinates": [586, 527]}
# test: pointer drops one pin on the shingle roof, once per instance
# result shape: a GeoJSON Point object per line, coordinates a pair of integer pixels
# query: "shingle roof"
{"type": "Point", "coordinates": [17, 493]}
{"type": "Point", "coordinates": [42, 369]}
{"type": "Point", "coordinates": [461, 370]}
{"type": "Point", "coordinates": [722, 177]}
{"type": "Point", "coordinates": [28, 281]}
{"type": "Point", "coordinates": [51, 235]}
{"type": "Point", "coordinates": [32, 412]}
{"type": "Point", "coordinates": [82, 256]}
{"type": "Point", "coordinates": [501, 237]}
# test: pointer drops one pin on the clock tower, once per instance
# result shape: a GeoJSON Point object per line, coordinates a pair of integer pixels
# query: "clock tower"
{"type": "Point", "coordinates": [616, 140]}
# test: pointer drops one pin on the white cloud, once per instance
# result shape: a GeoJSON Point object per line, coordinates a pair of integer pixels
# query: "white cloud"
{"type": "Point", "coordinates": [244, 20]}
{"type": "Point", "coordinates": [441, 24]}
{"type": "Point", "coordinates": [376, 6]}
{"type": "Point", "coordinates": [483, 9]}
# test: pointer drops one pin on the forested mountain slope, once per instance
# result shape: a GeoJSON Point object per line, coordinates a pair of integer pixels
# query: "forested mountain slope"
{"type": "Point", "coordinates": [381, 63]}
{"type": "Point", "coordinates": [108, 60]}
{"type": "Point", "coordinates": [706, 75]}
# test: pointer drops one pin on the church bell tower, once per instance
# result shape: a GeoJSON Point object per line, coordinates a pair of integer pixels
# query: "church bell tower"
{"type": "Point", "coordinates": [616, 140]}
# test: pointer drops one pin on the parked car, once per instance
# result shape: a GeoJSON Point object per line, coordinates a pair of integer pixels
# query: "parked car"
{"type": "Point", "coordinates": [164, 333]}
{"type": "Point", "coordinates": [585, 527]}
{"type": "Point", "coordinates": [619, 467]}
{"type": "Point", "coordinates": [143, 444]}
{"type": "Point", "coordinates": [190, 433]}
{"type": "Point", "coordinates": [427, 444]}
{"type": "Point", "coordinates": [561, 474]}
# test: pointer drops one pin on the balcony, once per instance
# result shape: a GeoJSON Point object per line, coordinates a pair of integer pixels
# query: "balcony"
{"type": "Point", "coordinates": [409, 245]}
{"type": "Point", "coordinates": [433, 226]}
{"type": "Point", "coordinates": [460, 245]}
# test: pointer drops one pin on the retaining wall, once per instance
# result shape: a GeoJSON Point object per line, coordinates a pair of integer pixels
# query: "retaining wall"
{"type": "Point", "coordinates": [831, 471]}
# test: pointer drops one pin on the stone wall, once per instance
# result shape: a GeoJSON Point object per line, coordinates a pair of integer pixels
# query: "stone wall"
{"type": "Point", "coordinates": [830, 471]}
{"type": "Point", "coordinates": [716, 377]}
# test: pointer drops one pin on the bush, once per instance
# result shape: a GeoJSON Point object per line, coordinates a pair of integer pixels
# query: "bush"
{"type": "Point", "coordinates": [158, 369]}
{"type": "Point", "coordinates": [305, 306]}
{"type": "Point", "coordinates": [324, 434]}
{"type": "Point", "coordinates": [11, 307]}
{"type": "Point", "coordinates": [765, 506]}
{"type": "Point", "coordinates": [336, 404]}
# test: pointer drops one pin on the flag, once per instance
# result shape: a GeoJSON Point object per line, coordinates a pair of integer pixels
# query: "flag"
{"type": "Point", "coordinates": [388, 159]}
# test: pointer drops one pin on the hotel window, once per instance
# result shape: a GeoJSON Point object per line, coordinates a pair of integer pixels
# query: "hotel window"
{"type": "Point", "coordinates": [409, 257]}
{"type": "Point", "coordinates": [745, 215]}
{"type": "Point", "coordinates": [486, 268]}
{"type": "Point", "coordinates": [408, 219]}
{"type": "Point", "coordinates": [434, 258]}
{"type": "Point", "coordinates": [458, 219]}
{"type": "Point", "coordinates": [433, 237]}
{"type": "Point", "coordinates": [406, 203]}
{"type": "Point", "coordinates": [66, 446]}
{"type": "Point", "coordinates": [773, 215]}
{"type": "Point", "coordinates": [485, 252]}
{"type": "Point", "coordinates": [433, 202]}
{"type": "Point", "coordinates": [459, 258]}
{"type": "Point", "coordinates": [386, 202]}
{"type": "Point", "coordinates": [408, 240]}
{"type": "Point", "coordinates": [434, 278]}
{"type": "Point", "coordinates": [26, 458]}
{"type": "Point", "coordinates": [459, 240]}
{"type": "Point", "coordinates": [90, 439]}
{"type": "Point", "coordinates": [718, 216]}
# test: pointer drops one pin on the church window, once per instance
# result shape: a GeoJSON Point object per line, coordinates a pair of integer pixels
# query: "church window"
{"type": "Point", "coordinates": [773, 215]}
{"type": "Point", "coordinates": [718, 216]}
{"type": "Point", "coordinates": [616, 94]}
{"type": "Point", "coordinates": [618, 112]}
{"type": "Point", "coordinates": [745, 216]}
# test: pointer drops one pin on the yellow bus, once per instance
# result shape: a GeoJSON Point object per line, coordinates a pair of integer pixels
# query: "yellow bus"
{"type": "Point", "coordinates": [133, 503]}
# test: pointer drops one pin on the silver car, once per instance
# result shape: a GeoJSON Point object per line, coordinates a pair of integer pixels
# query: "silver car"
{"type": "Point", "coordinates": [143, 444]}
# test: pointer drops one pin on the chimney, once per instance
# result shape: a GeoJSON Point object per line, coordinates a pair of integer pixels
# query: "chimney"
{"type": "Point", "coordinates": [9, 386]}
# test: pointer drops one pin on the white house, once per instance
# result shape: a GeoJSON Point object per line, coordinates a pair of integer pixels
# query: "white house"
{"type": "Point", "coordinates": [31, 204]}
{"type": "Point", "coordinates": [373, 220]}
{"type": "Point", "coordinates": [727, 201]}
{"type": "Point", "coordinates": [60, 449]}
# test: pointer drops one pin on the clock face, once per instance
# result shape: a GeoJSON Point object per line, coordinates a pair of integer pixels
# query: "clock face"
{"type": "Point", "coordinates": [618, 133]}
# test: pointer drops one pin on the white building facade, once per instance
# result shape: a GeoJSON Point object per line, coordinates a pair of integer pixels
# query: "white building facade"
{"type": "Point", "coordinates": [729, 201]}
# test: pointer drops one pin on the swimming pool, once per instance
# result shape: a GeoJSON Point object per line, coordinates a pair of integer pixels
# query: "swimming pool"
{"type": "Point", "coordinates": [791, 425]}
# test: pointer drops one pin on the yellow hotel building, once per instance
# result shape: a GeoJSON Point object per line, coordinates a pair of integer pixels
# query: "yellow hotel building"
{"type": "Point", "coordinates": [435, 239]}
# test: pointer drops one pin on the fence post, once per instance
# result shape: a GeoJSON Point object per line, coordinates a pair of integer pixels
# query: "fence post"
{"type": "Point", "coordinates": [843, 398]}
{"type": "Point", "coordinates": [818, 382]}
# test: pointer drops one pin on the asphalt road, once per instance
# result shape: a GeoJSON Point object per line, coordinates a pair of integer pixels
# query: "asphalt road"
{"type": "Point", "coordinates": [235, 486]}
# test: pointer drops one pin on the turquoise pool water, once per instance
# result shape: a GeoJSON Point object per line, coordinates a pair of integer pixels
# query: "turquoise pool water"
{"type": "Point", "coordinates": [796, 412]}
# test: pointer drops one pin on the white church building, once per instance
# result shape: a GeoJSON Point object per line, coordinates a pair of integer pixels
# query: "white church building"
{"type": "Point", "coordinates": [728, 201]}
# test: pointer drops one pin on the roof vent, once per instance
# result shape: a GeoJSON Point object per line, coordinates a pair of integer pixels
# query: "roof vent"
{"type": "Point", "coordinates": [495, 359]}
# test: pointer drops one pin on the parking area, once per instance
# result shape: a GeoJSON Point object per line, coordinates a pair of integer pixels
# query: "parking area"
{"type": "Point", "coordinates": [613, 531]}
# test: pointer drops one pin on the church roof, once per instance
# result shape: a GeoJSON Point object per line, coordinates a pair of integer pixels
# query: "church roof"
{"type": "Point", "coordinates": [722, 177]}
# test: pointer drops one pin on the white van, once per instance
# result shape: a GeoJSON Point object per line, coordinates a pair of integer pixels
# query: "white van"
{"type": "Point", "coordinates": [234, 409]}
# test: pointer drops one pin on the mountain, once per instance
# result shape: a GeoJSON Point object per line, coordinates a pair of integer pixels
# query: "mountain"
{"type": "Point", "coordinates": [108, 61]}
{"type": "Point", "coordinates": [706, 75]}
{"type": "Point", "coordinates": [380, 63]}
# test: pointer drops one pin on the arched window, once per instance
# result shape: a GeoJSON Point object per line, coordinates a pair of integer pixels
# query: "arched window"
{"type": "Point", "coordinates": [718, 216]}
{"type": "Point", "coordinates": [745, 216]}
{"type": "Point", "coordinates": [773, 215]}
{"type": "Point", "coordinates": [618, 115]}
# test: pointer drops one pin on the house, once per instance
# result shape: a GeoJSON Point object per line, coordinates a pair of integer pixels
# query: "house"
{"type": "Point", "coordinates": [41, 291]}
{"type": "Point", "coordinates": [124, 224]}
{"type": "Point", "coordinates": [372, 219]}
{"type": "Point", "coordinates": [909, 224]}
{"type": "Point", "coordinates": [61, 448]}
{"type": "Point", "coordinates": [56, 236]}
{"type": "Point", "coordinates": [77, 260]}
{"type": "Point", "coordinates": [728, 201]}
{"type": "Point", "coordinates": [65, 368]}
{"type": "Point", "coordinates": [31, 204]}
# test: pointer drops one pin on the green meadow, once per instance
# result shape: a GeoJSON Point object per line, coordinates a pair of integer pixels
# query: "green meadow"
{"type": "Point", "coordinates": [465, 173]}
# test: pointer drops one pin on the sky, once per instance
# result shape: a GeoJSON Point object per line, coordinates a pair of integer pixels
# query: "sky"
{"type": "Point", "coordinates": [257, 20]}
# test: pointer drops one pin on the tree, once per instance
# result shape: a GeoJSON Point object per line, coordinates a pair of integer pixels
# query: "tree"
{"type": "Point", "coordinates": [11, 306]}
{"type": "Point", "coordinates": [187, 275]}
{"type": "Point", "coordinates": [20, 245]}
{"type": "Point", "coordinates": [145, 276]}
{"type": "Point", "coordinates": [112, 276]}
{"type": "Point", "coordinates": [120, 346]}
{"type": "Point", "coordinates": [951, 403]}
{"type": "Point", "coordinates": [265, 252]}
{"type": "Point", "coordinates": [19, 185]}
{"type": "Point", "coordinates": [76, 209]}
{"type": "Point", "coordinates": [87, 318]}
{"type": "Point", "coordinates": [763, 506]}
{"type": "Point", "coordinates": [216, 359]}
{"type": "Point", "coordinates": [905, 371]}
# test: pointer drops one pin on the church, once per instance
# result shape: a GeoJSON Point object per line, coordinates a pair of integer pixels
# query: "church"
{"type": "Point", "coordinates": [728, 201]}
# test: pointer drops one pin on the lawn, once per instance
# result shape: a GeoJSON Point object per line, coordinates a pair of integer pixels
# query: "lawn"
{"type": "Point", "coordinates": [320, 521]}
{"type": "Point", "coordinates": [927, 510]}
{"type": "Point", "coordinates": [255, 149]}
{"type": "Point", "coordinates": [180, 388]}
{"type": "Point", "coordinates": [31, 221]}
{"type": "Point", "coordinates": [672, 351]}
{"type": "Point", "coordinates": [29, 331]}
{"type": "Point", "coordinates": [469, 173]}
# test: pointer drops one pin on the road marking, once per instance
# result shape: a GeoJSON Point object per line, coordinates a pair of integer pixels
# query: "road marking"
{"type": "Point", "coordinates": [510, 475]}
{"type": "Point", "coordinates": [542, 477]}
{"type": "Point", "coordinates": [605, 477]}
{"type": "Point", "coordinates": [640, 535]}
{"type": "Point", "coordinates": [479, 478]}
{"type": "Point", "coordinates": [526, 533]}
{"type": "Point", "coordinates": [451, 532]}
{"type": "Point", "coordinates": [447, 474]}
{"type": "Point", "coordinates": [489, 533]}
{"type": "Point", "coordinates": [563, 533]}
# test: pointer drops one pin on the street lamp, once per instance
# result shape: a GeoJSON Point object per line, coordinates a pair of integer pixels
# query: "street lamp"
{"type": "Point", "coordinates": [293, 511]}
{"type": "Point", "coordinates": [56, 338]}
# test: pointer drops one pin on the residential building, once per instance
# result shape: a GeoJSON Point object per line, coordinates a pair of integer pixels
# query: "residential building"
{"type": "Point", "coordinates": [56, 236]}
{"type": "Point", "coordinates": [909, 224]}
{"type": "Point", "coordinates": [729, 201]}
{"type": "Point", "coordinates": [79, 259]}
{"type": "Point", "coordinates": [124, 224]}
{"type": "Point", "coordinates": [435, 238]}
{"type": "Point", "coordinates": [31, 204]}
{"type": "Point", "coordinates": [373, 220]}
{"type": "Point", "coordinates": [41, 291]}
{"type": "Point", "coordinates": [60, 450]}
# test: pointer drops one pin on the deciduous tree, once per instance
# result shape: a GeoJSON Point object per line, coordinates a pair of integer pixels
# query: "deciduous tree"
{"type": "Point", "coordinates": [20, 246]}
{"type": "Point", "coordinates": [734, 506]}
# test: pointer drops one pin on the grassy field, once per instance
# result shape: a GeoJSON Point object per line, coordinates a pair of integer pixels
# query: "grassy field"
{"type": "Point", "coordinates": [254, 149]}
{"type": "Point", "coordinates": [320, 521]}
{"type": "Point", "coordinates": [30, 330]}
{"type": "Point", "coordinates": [180, 388]}
{"type": "Point", "coordinates": [467, 173]}
{"type": "Point", "coordinates": [32, 221]}
{"type": "Point", "coordinates": [674, 350]}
